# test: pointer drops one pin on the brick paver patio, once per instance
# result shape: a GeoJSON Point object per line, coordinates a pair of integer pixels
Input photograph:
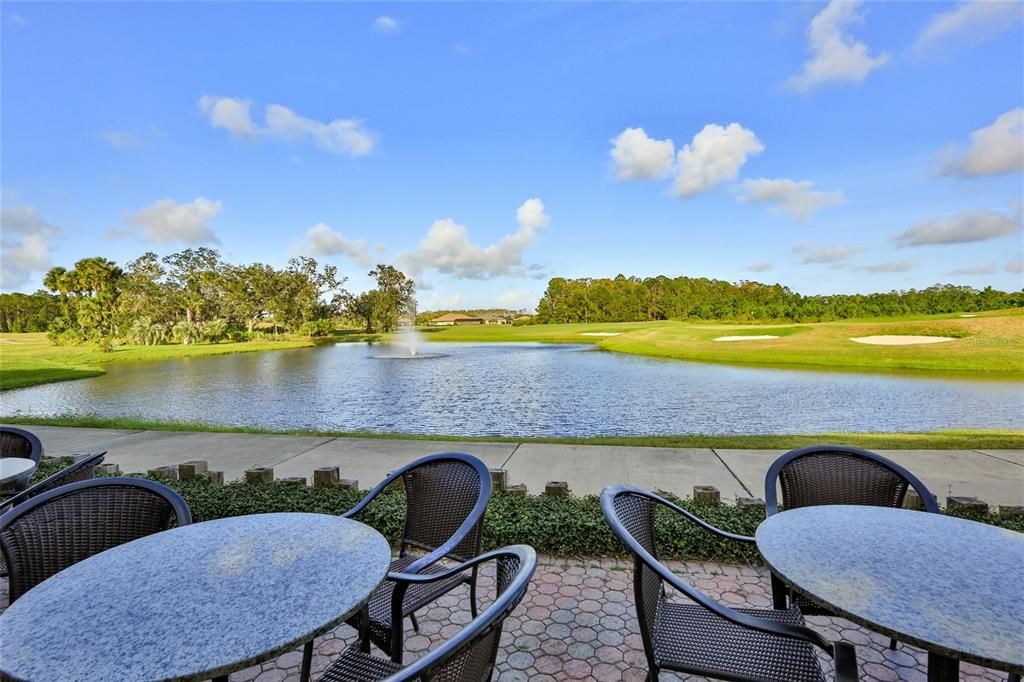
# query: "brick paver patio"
{"type": "Point", "coordinates": [577, 622]}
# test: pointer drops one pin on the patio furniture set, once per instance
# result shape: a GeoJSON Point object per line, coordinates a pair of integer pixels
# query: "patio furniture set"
{"type": "Point", "coordinates": [195, 601]}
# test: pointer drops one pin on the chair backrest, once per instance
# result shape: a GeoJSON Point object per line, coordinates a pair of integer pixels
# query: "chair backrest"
{"type": "Point", "coordinates": [443, 492]}
{"type": "Point", "coordinates": [630, 514]}
{"type": "Point", "coordinates": [15, 442]}
{"type": "Point", "coordinates": [470, 654]}
{"type": "Point", "coordinates": [837, 474]}
{"type": "Point", "coordinates": [70, 523]}
{"type": "Point", "coordinates": [82, 469]}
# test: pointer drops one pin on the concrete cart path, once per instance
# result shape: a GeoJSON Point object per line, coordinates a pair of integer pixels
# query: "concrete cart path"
{"type": "Point", "coordinates": [995, 476]}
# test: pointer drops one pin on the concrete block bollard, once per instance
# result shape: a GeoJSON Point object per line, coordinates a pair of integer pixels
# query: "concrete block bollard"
{"type": "Point", "coordinates": [706, 494]}
{"type": "Point", "coordinates": [499, 480]}
{"type": "Point", "coordinates": [1011, 511]}
{"type": "Point", "coordinates": [348, 484]}
{"type": "Point", "coordinates": [556, 488]}
{"type": "Point", "coordinates": [294, 480]}
{"type": "Point", "coordinates": [326, 477]}
{"type": "Point", "coordinates": [63, 460]}
{"type": "Point", "coordinates": [192, 469]}
{"type": "Point", "coordinates": [108, 469]}
{"type": "Point", "coordinates": [517, 490]}
{"type": "Point", "coordinates": [170, 472]}
{"type": "Point", "coordinates": [215, 477]}
{"type": "Point", "coordinates": [971, 504]}
{"type": "Point", "coordinates": [750, 503]}
{"type": "Point", "coordinates": [259, 475]}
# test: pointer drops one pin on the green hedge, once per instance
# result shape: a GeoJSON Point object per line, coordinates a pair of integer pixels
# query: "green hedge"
{"type": "Point", "coordinates": [558, 526]}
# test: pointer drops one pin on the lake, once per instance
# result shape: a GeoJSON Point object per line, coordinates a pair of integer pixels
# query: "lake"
{"type": "Point", "coordinates": [520, 389]}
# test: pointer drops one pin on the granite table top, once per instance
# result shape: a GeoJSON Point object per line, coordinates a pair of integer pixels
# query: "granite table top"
{"type": "Point", "coordinates": [196, 601]}
{"type": "Point", "coordinates": [15, 467]}
{"type": "Point", "coordinates": [948, 585]}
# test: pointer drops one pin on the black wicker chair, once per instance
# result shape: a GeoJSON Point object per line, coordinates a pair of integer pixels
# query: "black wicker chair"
{"type": "Point", "coordinates": [81, 470]}
{"type": "Point", "coordinates": [446, 497]}
{"type": "Point", "coordinates": [835, 474]}
{"type": "Point", "coordinates": [70, 523]}
{"type": "Point", "coordinates": [15, 442]}
{"type": "Point", "coordinates": [708, 638]}
{"type": "Point", "coordinates": [468, 656]}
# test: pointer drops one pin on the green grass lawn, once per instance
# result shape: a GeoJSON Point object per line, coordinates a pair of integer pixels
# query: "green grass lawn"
{"type": "Point", "coordinates": [988, 345]}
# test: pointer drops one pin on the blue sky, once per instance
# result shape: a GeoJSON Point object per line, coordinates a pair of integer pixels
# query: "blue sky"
{"type": "Point", "coordinates": [486, 147]}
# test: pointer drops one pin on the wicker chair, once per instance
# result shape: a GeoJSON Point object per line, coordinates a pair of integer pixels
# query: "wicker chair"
{"type": "Point", "coordinates": [708, 638]}
{"type": "Point", "coordinates": [70, 523]}
{"type": "Point", "coordinates": [16, 442]}
{"type": "Point", "coordinates": [469, 655]}
{"type": "Point", "coordinates": [81, 470]}
{"type": "Point", "coordinates": [835, 474]}
{"type": "Point", "coordinates": [446, 497]}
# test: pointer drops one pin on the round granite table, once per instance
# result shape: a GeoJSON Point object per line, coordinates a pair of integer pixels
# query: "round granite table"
{"type": "Point", "coordinates": [15, 467]}
{"type": "Point", "coordinates": [950, 586]}
{"type": "Point", "coordinates": [194, 602]}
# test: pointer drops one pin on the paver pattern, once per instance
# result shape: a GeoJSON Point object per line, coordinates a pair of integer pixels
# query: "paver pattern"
{"type": "Point", "coordinates": [577, 622]}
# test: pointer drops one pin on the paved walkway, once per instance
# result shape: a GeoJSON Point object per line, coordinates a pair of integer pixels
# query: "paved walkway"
{"type": "Point", "coordinates": [578, 622]}
{"type": "Point", "coordinates": [995, 476]}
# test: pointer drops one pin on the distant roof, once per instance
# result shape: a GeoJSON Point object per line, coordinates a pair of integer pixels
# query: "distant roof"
{"type": "Point", "coordinates": [453, 317]}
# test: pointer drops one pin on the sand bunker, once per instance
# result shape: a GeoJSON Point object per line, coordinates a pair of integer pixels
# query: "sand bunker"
{"type": "Point", "coordinates": [968, 316]}
{"type": "Point", "coordinates": [900, 340]}
{"type": "Point", "coordinates": [600, 333]}
{"type": "Point", "coordinates": [763, 337]}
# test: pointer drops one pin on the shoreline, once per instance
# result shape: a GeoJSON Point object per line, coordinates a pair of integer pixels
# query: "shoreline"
{"type": "Point", "coordinates": [973, 439]}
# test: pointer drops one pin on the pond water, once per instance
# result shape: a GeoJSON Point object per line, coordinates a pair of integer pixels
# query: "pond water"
{"type": "Point", "coordinates": [520, 389]}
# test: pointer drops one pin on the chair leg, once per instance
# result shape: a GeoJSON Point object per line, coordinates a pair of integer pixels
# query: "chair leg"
{"type": "Point", "coordinates": [415, 624]}
{"type": "Point", "coordinates": [472, 593]}
{"type": "Point", "coordinates": [892, 644]}
{"type": "Point", "coordinates": [1013, 677]}
{"type": "Point", "coordinates": [779, 593]}
{"type": "Point", "coordinates": [307, 662]}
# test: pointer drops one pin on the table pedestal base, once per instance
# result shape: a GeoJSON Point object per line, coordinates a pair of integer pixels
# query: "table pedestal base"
{"type": "Point", "coordinates": [942, 668]}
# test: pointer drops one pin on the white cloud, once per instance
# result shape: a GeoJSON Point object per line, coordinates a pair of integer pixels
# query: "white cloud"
{"type": "Point", "coordinates": [29, 251]}
{"type": "Point", "coordinates": [795, 197]}
{"type": "Point", "coordinates": [168, 222]}
{"type": "Point", "coordinates": [890, 266]}
{"type": "Point", "coordinates": [17, 19]}
{"type": "Point", "coordinates": [761, 266]}
{"type": "Point", "coordinates": [1016, 266]}
{"type": "Point", "coordinates": [518, 299]}
{"type": "Point", "coordinates": [121, 139]}
{"type": "Point", "coordinates": [715, 155]}
{"type": "Point", "coordinates": [639, 157]}
{"type": "Point", "coordinates": [835, 54]}
{"type": "Point", "coordinates": [230, 113]}
{"type": "Point", "coordinates": [994, 150]}
{"type": "Point", "coordinates": [339, 136]}
{"type": "Point", "coordinates": [321, 240]}
{"type": "Point", "coordinates": [826, 254]}
{"type": "Point", "coordinates": [987, 269]}
{"type": "Point", "coordinates": [974, 20]}
{"type": "Point", "coordinates": [386, 24]}
{"type": "Point", "coordinates": [448, 249]}
{"type": "Point", "coordinates": [960, 229]}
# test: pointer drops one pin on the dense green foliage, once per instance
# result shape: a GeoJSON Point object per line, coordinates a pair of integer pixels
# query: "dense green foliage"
{"type": "Point", "coordinates": [558, 526]}
{"type": "Point", "coordinates": [193, 296]}
{"type": "Point", "coordinates": [632, 299]}
{"type": "Point", "coordinates": [27, 312]}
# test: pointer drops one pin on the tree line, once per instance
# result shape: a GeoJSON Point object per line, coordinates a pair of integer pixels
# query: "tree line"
{"type": "Point", "coordinates": [194, 295]}
{"type": "Point", "coordinates": [635, 299]}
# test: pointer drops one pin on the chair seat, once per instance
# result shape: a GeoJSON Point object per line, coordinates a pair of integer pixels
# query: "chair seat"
{"type": "Point", "coordinates": [356, 666]}
{"type": "Point", "coordinates": [416, 597]}
{"type": "Point", "coordinates": [692, 639]}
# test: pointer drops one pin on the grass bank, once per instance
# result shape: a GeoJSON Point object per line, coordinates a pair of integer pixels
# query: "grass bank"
{"type": "Point", "coordinates": [933, 440]}
{"type": "Point", "coordinates": [30, 359]}
{"type": "Point", "coordinates": [988, 345]}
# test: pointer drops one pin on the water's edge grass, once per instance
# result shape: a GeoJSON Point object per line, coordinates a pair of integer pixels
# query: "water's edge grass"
{"type": "Point", "coordinates": [931, 440]}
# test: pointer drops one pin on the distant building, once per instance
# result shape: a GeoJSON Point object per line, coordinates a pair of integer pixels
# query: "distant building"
{"type": "Point", "coordinates": [452, 319]}
{"type": "Point", "coordinates": [524, 318]}
{"type": "Point", "coordinates": [496, 318]}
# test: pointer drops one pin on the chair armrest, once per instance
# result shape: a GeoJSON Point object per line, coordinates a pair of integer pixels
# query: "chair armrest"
{"type": "Point", "coordinates": [377, 490]}
{"type": "Point", "coordinates": [746, 539]}
{"type": "Point", "coordinates": [420, 578]}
